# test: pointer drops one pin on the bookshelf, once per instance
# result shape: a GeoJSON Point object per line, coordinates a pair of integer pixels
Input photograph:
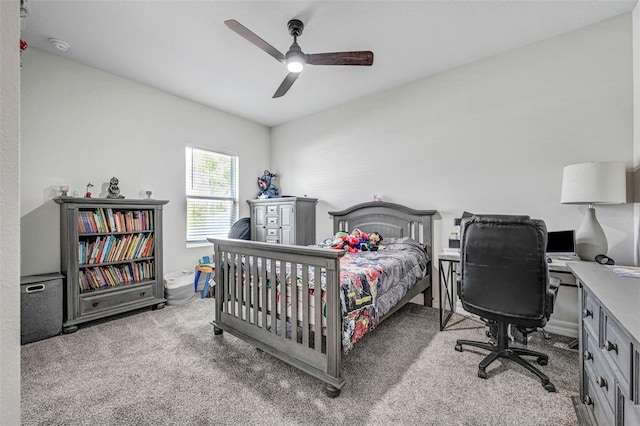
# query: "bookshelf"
{"type": "Point", "coordinates": [111, 255]}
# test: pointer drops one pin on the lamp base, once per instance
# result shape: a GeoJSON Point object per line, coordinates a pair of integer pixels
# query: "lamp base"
{"type": "Point", "coordinates": [590, 238]}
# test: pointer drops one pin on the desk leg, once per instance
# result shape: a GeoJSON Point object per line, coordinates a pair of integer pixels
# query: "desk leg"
{"type": "Point", "coordinates": [446, 282]}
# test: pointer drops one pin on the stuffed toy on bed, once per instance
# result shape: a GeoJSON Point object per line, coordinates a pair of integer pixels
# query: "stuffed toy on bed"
{"type": "Point", "coordinates": [374, 242]}
{"type": "Point", "coordinates": [354, 242]}
{"type": "Point", "coordinates": [357, 241]}
{"type": "Point", "coordinates": [339, 240]}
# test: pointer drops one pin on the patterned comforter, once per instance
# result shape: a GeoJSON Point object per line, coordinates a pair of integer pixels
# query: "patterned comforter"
{"type": "Point", "coordinates": [371, 283]}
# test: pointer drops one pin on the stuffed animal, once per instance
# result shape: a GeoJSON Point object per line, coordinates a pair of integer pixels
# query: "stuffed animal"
{"type": "Point", "coordinates": [354, 242]}
{"type": "Point", "coordinates": [339, 240]}
{"type": "Point", "coordinates": [267, 189]}
{"type": "Point", "coordinates": [374, 241]}
{"type": "Point", "coordinates": [357, 240]}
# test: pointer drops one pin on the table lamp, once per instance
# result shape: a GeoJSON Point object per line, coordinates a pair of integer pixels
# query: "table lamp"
{"type": "Point", "coordinates": [593, 183]}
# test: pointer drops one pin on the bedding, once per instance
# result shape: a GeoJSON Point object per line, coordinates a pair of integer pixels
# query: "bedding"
{"type": "Point", "coordinates": [371, 283]}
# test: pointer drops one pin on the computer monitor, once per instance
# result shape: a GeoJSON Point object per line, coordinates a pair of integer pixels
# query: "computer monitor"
{"type": "Point", "coordinates": [561, 243]}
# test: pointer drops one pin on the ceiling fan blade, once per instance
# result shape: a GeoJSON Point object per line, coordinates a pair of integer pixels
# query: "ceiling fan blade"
{"type": "Point", "coordinates": [341, 58]}
{"type": "Point", "coordinates": [286, 84]}
{"type": "Point", "coordinates": [245, 32]}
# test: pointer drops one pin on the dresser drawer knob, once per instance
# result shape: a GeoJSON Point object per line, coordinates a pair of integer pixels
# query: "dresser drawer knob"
{"type": "Point", "coordinates": [588, 400]}
{"type": "Point", "coordinates": [142, 293]}
{"type": "Point", "coordinates": [588, 355]}
{"type": "Point", "coordinates": [587, 313]}
{"type": "Point", "coordinates": [602, 382]}
{"type": "Point", "coordinates": [95, 303]}
{"type": "Point", "coordinates": [612, 347]}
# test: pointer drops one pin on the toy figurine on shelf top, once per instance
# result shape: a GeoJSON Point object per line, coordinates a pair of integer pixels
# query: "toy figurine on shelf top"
{"type": "Point", "coordinates": [114, 189]}
{"type": "Point", "coordinates": [267, 188]}
{"type": "Point", "coordinates": [88, 193]}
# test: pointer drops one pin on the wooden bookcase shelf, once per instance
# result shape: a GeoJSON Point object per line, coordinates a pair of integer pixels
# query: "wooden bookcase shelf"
{"type": "Point", "coordinates": [111, 255]}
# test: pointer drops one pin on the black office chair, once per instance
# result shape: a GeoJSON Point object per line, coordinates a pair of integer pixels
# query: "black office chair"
{"type": "Point", "coordinates": [241, 229]}
{"type": "Point", "coordinates": [504, 279]}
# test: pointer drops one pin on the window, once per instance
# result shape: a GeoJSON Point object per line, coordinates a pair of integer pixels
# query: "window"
{"type": "Point", "coordinates": [212, 195]}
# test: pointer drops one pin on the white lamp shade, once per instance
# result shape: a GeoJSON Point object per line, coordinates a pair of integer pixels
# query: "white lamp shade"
{"type": "Point", "coordinates": [594, 183]}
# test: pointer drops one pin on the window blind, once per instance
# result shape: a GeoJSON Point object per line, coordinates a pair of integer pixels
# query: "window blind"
{"type": "Point", "coordinates": [211, 193]}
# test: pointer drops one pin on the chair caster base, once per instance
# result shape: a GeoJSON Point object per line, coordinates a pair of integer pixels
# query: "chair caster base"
{"type": "Point", "coordinates": [459, 347]}
{"type": "Point", "coordinates": [482, 374]}
{"type": "Point", "coordinates": [542, 361]}
{"type": "Point", "coordinates": [549, 387]}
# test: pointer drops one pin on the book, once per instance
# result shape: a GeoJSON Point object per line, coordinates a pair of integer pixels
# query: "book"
{"type": "Point", "coordinates": [95, 247]}
{"type": "Point", "coordinates": [103, 220]}
{"type": "Point", "coordinates": [147, 250]}
{"type": "Point", "coordinates": [97, 221]}
{"type": "Point", "coordinates": [114, 249]}
{"type": "Point", "coordinates": [107, 249]}
{"type": "Point", "coordinates": [139, 243]}
{"type": "Point", "coordinates": [132, 244]}
{"type": "Point", "coordinates": [124, 243]}
{"type": "Point", "coordinates": [110, 220]}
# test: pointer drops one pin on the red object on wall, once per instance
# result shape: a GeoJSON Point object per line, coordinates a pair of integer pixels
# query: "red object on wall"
{"type": "Point", "coordinates": [23, 45]}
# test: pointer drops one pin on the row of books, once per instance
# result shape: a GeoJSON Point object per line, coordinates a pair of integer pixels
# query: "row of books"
{"type": "Point", "coordinates": [115, 248]}
{"type": "Point", "coordinates": [106, 220]}
{"type": "Point", "coordinates": [114, 275]}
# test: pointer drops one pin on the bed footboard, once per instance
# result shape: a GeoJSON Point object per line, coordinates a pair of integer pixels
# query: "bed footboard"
{"type": "Point", "coordinates": [270, 296]}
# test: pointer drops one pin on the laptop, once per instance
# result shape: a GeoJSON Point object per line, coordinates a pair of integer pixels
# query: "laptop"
{"type": "Point", "coordinates": [561, 244]}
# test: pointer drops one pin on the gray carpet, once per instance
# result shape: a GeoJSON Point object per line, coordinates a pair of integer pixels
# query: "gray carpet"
{"type": "Point", "coordinates": [167, 367]}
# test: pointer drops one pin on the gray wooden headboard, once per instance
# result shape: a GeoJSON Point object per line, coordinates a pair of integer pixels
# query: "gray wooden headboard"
{"type": "Point", "coordinates": [388, 219]}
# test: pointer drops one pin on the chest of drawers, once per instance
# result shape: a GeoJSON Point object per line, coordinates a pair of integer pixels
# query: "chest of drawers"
{"type": "Point", "coordinates": [284, 220]}
{"type": "Point", "coordinates": [609, 345]}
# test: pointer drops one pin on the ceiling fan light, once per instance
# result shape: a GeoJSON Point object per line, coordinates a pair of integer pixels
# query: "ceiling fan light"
{"type": "Point", "coordinates": [294, 65]}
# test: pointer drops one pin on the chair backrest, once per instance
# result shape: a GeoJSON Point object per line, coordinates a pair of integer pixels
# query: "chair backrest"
{"type": "Point", "coordinates": [503, 269]}
{"type": "Point", "coordinates": [241, 229]}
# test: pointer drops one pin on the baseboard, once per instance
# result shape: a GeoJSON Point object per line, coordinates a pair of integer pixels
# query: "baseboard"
{"type": "Point", "coordinates": [562, 328]}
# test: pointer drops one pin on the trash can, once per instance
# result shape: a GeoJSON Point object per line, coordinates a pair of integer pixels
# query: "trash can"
{"type": "Point", "coordinates": [40, 306]}
{"type": "Point", "coordinates": [179, 287]}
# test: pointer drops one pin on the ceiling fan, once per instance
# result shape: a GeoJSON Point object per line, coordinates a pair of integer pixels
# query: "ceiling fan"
{"type": "Point", "coordinates": [295, 58]}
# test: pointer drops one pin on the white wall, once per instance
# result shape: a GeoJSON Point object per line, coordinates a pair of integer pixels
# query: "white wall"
{"type": "Point", "coordinates": [488, 137]}
{"type": "Point", "coordinates": [83, 125]}
{"type": "Point", "coordinates": [9, 213]}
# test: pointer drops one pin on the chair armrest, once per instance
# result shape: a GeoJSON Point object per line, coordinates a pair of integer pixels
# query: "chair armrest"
{"type": "Point", "coordinates": [554, 285]}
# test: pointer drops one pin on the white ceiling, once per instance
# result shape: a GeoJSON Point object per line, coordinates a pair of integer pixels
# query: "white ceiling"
{"type": "Point", "coordinates": [183, 47]}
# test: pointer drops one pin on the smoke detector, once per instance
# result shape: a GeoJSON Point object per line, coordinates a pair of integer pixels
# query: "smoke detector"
{"type": "Point", "coordinates": [59, 44]}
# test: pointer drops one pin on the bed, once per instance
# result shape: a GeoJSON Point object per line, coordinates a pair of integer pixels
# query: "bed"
{"type": "Point", "coordinates": [267, 294]}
